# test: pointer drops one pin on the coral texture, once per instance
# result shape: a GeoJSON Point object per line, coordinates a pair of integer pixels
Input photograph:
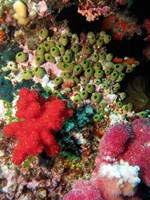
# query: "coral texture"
{"type": "Point", "coordinates": [133, 146]}
{"type": "Point", "coordinates": [121, 162]}
{"type": "Point", "coordinates": [84, 190]}
{"type": "Point", "coordinates": [39, 119]}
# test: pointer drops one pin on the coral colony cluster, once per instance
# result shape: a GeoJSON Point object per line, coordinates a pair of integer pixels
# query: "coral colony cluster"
{"type": "Point", "coordinates": [72, 127]}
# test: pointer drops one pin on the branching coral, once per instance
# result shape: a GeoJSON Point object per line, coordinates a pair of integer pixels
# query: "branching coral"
{"type": "Point", "coordinates": [93, 10]}
{"type": "Point", "coordinates": [39, 119]}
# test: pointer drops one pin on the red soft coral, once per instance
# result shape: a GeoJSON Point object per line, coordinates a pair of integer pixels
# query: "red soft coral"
{"type": "Point", "coordinates": [39, 119]}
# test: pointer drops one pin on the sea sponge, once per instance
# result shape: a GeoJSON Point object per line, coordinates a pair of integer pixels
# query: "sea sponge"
{"type": "Point", "coordinates": [20, 15]}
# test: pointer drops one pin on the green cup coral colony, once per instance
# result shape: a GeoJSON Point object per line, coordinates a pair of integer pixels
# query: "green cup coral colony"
{"type": "Point", "coordinates": [79, 68]}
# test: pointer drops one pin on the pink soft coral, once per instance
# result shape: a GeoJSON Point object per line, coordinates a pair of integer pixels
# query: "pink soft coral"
{"type": "Point", "coordinates": [39, 119]}
{"type": "Point", "coordinates": [139, 150]}
{"type": "Point", "coordinates": [123, 157]}
{"type": "Point", "coordinates": [83, 190]}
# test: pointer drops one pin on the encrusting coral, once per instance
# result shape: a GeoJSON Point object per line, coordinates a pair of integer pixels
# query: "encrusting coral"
{"type": "Point", "coordinates": [39, 120]}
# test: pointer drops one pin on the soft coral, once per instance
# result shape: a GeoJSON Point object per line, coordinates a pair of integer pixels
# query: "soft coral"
{"type": "Point", "coordinates": [39, 119]}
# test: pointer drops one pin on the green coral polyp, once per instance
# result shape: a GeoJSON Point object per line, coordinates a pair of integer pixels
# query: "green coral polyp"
{"type": "Point", "coordinates": [75, 48]}
{"type": "Point", "coordinates": [54, 51]}
{"type": "Point", "coordinates": [21, 57]}
{"type": "Point", "coordinates": [87, 50]}
{"type": "Point", "coordinates": [85, 64]}
{"type": "Point", "coordinates": [120, 77]}
{"type": "Point", "coordinates": [114, 75]}
{"type": "Point", "coordinates": [58, 81]}
{"type": "Point", "coordinates": [43, 33]}
{"type": "Point", "coordinates": [68, 67]}
{"type": "Point", "coordinates": [97, 81]}
{"type": "Point", "coordinates": [40, 50]}
{"type": "Point", "coordinates": [39, 60]}
{"type": "Point", "coordinates": [116, 87]}
{"type": "Point", "coordinates": [89, 72]}
{"type": "Point", "coordinates": [90, 88]}
{"type": "Point", "coordinates": [65, 75]}
{"type": "Point", "coordinates": [119, 67]}
{"type": "Point", "coordinates": [102, 56]}
{"type": "Point", "coordinates": [49, 58]}
{"type": "Point", "coordinates": [27, 75]}
{"type": "Point", "coordinates": [77, 99]}
{"type": "Point", "coordinates": [129, 69]}
{"type": "Point", "coordinates": [108, 71]}
{"type": "Point", "coordinates": [61, 48]}
{"type": "Point", "coordinates": [63, 40]}
{"type": "Point", "coordinates": [107, 39]}
{"type": "Point", "coordinates": [99, 42]}
{"type": "Point", "coordinates": [92, 40]}
{"type": "Point", "coordinates": [84, 95]}
{"type": "Point", "coordinates": [84, 80]}
{"type": "Point", "coordinates": [97, 66]}
{"type": "Point", "coordinates": [90, 34]}
{"type": "Point", "coordinates": [95, 57]}
{"type": "Point", "coordinates": [96, 118]}
{"type": "Point", "coordinates": [57, 93]}
{"type": "Point", "coordinates": [67, 58]}
{"type": "Point", "coordinates": [99, 74]}
{"type": "Point", "coordinates": [119, 104]}
{"type": "Point", "coordinates": [69, 52]}
{"type": "Point", "coordinates": [77, 70]}
{"type": "Point", "coordinates": [95, 98]}
{"type": "Point", "coordinates": [39, 72]}
{"type": "Point", "coordinates": [122, 95]}
{"type": "Point", "coordinates": [75, 79]}
{"type": "Point", "coordinates": [46, 46]}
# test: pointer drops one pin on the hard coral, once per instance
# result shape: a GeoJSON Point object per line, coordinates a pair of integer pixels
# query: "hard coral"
{"type": "Point", "coordinates": [39, 119]}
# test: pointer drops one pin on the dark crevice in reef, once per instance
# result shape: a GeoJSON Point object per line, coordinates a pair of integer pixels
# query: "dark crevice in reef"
{"type": "Point", "coordinates": [140, 9]}
{"type": "Point", "coordinates": [76, 22]}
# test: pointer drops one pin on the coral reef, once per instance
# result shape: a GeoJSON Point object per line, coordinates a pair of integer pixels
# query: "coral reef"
{"type": "Point", "coordinates": [74, 99]}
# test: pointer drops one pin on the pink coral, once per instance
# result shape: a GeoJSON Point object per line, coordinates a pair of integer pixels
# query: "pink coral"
{"type": "Point", "coordinates": [120, 142]}
{"type": "Point", "coordinates": [123, 157]}
{"type": "Point", "coordinates": [113, 142]}
{"type": "Point", "coordinates": [83, 190]}
{"type": "Point", "coordinates": [39, 120]}
{"type": "Point", "coordinates": [139, 150]}
{"type": "Point", "coordinates": [93, 11]}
